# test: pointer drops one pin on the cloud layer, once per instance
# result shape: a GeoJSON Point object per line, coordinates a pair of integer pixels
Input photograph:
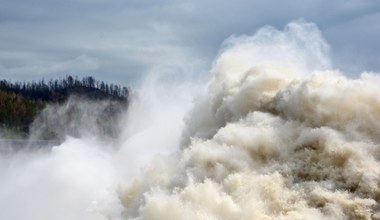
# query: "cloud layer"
{"type": "Point", "coordinates": [122, 40]}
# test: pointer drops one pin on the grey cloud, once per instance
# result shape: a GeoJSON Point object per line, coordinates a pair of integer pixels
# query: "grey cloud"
{"type": "Point", "coordinates": [82, 63]}
{"type": "Point", "coordinates": [125, 39]}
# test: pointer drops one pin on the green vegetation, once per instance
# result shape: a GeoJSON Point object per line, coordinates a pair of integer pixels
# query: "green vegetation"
{"type": "Point", "coordinates": [17, 112]}
{"type": "Point", "coordinates": [20, 103]}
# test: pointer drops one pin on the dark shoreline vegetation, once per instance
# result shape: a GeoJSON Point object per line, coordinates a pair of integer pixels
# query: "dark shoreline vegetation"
{"type": "Point", "coordinates": [21, 105]}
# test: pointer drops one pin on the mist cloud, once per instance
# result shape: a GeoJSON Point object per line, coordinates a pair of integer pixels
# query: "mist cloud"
{"type": "Point", "coordinates": [278, 133]}
{"type": "Point", "coordinates": [275, 136]}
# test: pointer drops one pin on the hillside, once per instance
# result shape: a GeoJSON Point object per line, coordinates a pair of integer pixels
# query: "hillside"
{"type": "Point", "coordinates": [20, 102]}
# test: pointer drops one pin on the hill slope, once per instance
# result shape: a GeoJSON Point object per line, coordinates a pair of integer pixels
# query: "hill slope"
{"type": "Point", "coordinates": [20, 103]}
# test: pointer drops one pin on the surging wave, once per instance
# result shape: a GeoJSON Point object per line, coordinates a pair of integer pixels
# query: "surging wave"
{"type": "Point", "coordinates": [279, 134]}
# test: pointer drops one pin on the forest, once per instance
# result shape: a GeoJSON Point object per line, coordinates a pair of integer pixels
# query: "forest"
{"type": "Point", "coordinates": [20, 102]}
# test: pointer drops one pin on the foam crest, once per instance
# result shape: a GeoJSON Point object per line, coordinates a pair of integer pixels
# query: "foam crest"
{"type": "Point", "coordinates": [276, 136]}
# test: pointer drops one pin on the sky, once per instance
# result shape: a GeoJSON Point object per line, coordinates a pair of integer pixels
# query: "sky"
{"type": "Point", "coordinates": [122, 41]}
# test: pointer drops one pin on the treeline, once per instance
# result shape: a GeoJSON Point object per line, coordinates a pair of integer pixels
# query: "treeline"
{"type": "Point", "coordinates": [20, 102]}
{"type": "Point", "coordinates": [17, 112]}
{"type": "Point", "coordinates": [58, 90]}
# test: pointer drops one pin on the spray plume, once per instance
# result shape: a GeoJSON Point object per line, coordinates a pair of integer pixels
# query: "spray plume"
{"type": "Point", "coordinates": [277, 134]}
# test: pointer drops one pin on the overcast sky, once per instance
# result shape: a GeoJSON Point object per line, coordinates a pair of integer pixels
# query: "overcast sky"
{"type": "Point", "coordinates": [121, 40]}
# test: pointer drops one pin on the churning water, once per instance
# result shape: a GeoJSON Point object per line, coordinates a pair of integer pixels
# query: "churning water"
{"type": "Point", "coordinates": [277, 134]}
